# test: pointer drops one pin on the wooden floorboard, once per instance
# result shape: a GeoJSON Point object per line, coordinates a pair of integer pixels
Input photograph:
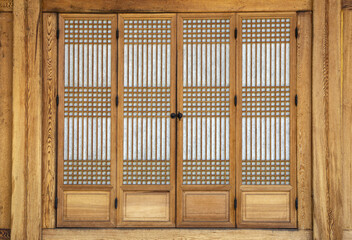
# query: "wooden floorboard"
{"type": "Point", "coordinates": [237, 234]}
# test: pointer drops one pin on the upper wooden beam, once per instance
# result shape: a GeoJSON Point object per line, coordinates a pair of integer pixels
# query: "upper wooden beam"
{"type": "Point", "coordinates": [175, 5]}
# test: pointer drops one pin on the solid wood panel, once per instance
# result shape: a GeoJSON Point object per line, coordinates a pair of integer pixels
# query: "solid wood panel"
{"type": "Point", "coordinates": [327, 120]}
{"type": "Point", "coordinates": [205, 206]}
{"type": "Point", "coordinates": [147, 206]}
{"type": "Point", "coordinates": [5, 118]}
{"type": "Point", "coordinates": [86, 206]}
{"type": "Point", "coordinates": [146, 168]}
{"type": "Point", "coordinates": [27, 120]}
{"type": "Point", "coordinates": [347, 235]}
{"type": "Point", "coordinates": [174, 6]}
{"type": "Point", "coordinates": [49, 118]}
{"type": "Point", "coordinates": [304, 120]}
{"type": "Point", "coordinates": [266, 206]}
{"type": "Point", "coordinates": [236, 234]}
{"type": "Point", "coordinates": [347, 118]}
{"type": "Point", "coordinates": [6, 5]}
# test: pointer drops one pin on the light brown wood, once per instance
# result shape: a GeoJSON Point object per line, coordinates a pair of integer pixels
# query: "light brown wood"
{"type": "Point", "coordinates": [93, 172]}
{"type": "Point", "coordinates": [146, 206]}
{"type": "Point", "coordinates": [304, 120]}
{"type": "Point", "coordinates": [6, 5]}
{"type": "Point", "coordinates": [327, 120]}
{"type": "Point", "coordinates": [49, 119]}
{"type": "Point", "coordinates": [347, 119]}
{"type": "Point", "coordinates": [192, 176]}
{"type": "Point", "coordinates": [163, 234]}
{"type": "Point", "coordinates": [5, 118]}
{"type": "Point", "coordinates": [27, 122]}
{"type": "Point", "coordinates": [86, 206]}
{"type": "Point", "coordinates": [205, 206]}
{"type": "Point", "coordinates": [347, 235]}
{"type": "Point", "coordinates": [174, 6]}
{"type": "Point", "coordinates": [258, 178]}
{"type": "Point", "coordinates": [152, 180]}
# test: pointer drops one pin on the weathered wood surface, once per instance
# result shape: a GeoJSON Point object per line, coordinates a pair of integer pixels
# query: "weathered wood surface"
{"type": "Point", "coordinates": [27, 120]}
{"type": "Point", "coordinates": [49, 119]}
{"type": "Point", "coordinates": [5, 118]}
{"type": "Point", "coordinates": [163, 234]}
{"type": "Point", "coordinates": [347, 118]}
{"type": "Point", "coordinates": [174, 6]}
{"type": "Point", "coordinates": [304, 120]}
{"type": "Point", "coordinates": [327, 121]}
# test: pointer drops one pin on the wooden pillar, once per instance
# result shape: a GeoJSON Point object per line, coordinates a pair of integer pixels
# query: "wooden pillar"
{"type": "Point", "coordinates": [27, 124]}
{"type": "Point", "coordinates": [327, 120]}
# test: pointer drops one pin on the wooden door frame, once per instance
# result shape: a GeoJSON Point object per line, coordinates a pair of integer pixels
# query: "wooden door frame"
{"type": "Point", "coordinates": [29, 153]}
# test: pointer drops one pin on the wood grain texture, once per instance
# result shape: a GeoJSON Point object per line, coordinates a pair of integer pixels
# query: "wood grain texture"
{"type": "Point", "coordinates": [327, 121]}
{"type": "Point", "coordinates": [304, 120]}
{"type": "Point", "coordinates": [6, 5]}
{"type": "Point", "coordinates": [347, 118]}
{"type": "Point", "coordinates": [347, 4]}
{"type": "Point", "coordinates": [347, 235]}
{"type": "Point", "coordinates": [163, 234]}
{"type": "Point", "coordinates": [49, 119]}
{"type": "Point", "coordinates": [5, 118]}
{"type": "Point", "coordinates": [27, 132]}
{"type": "Point", "coordinates": [174, 6]}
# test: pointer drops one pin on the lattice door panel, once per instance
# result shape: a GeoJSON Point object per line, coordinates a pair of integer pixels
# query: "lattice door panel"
{"type": "Point", "coordinates": [205, 98]}
{"type": "Point", "coordinates": [87, 116]}
{"type": "Point", "coordinates": [266, 113]}
{"type": "Point", "coordinates": [147, 133]}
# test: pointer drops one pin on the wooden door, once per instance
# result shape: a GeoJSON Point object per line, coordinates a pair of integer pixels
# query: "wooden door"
{"type": "Point", "coordinates": [146, 132]}
{"type": "Point", "coordinates": [86, 120]}
{"type": "Point", "coordinates": [206, 131]}
{"type": "Point", "coordinates": [266, 120]}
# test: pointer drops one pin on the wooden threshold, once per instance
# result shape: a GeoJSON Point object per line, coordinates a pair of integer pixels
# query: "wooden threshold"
{"type": "Point", "coordinates": [86, 234]}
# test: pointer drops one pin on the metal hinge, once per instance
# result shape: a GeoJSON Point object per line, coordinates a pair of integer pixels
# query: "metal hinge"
{"type": "Point", "coordinates": [235, 203]}
{"type": "Point", "coordinates": [296, 203]}
{"type": "Point", "coordinates": [56, 202]}
{"type": "Point", "coordinates": [57, 100]}
{"type": "Point", "coordinates": [117, 34]}
{"type": "Point", "coordinates": [235, 100]}
{"type": "Point", "coordinates": [235, 33]}
{"type": "Point", "coordinates": [296, 32]}
{"type": "Point", "coordinates": [117, 101]}
{"type": "Point", "coordinates": [115, 203]}
{"type": "Point", "coordinates": [296, 100]}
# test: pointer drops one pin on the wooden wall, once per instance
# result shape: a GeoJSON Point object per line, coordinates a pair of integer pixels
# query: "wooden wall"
{"type": "Point", "coordinates": [5, 118]}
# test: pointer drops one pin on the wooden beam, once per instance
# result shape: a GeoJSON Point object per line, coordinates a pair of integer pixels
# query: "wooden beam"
{"type": "Point", "coordinates": [5, 118]}
{"type": "Point", "coordinates": [162, 234]}
{"type": "Point", "coordinates": [27, 131]}
{"type": "Point", "coordinates": [327, 121]}
{"type": "Point", "coordinates": [347, 117]}
{"type": "Point", "coordinates": [49, 118]}
{"type": "Point", "coordinates": [6, 5]}
{"type": "Point", "coordinates": [175, 5]}
{"type": "Point", "coordinates": [304, 120]}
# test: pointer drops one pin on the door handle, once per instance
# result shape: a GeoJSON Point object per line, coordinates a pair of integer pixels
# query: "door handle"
{"type": "Point", "coordinates": [173, 115]}
{"type": "Point", "coordinates": [179, 115]}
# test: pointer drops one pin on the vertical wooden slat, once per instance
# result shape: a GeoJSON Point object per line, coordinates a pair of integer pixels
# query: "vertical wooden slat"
{"type": "Point", "coordinates": [27, 122]}
{"type": "Point", "coordinates": [5, 118]}
{"type": "Point", "coordinates": [347, 118]}
{"type": "Point", "coordinates": [49, 118]}
{"type": "Point", "coordinates": [327, 120]}
{"type": "Point", "coordinates": [304, 116]}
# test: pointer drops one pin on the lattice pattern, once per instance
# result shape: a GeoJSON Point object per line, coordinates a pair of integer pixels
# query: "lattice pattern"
{"type": "Point", "coordinates": [206, 31]}
{"type": "Point", "coordinates": [206, 101]}
{"type": "Point", "coordinates": [87, 101]}
{"type": "Point", "coordinates": [266, 30]}
{"type": "Point", "coordinates": [88, 31]}
{"type": "Point", "coordinates": [147, 101]}
{"type": "Point", "coordinates": [266, 101]}
{"type": "Point", "coordinates": [151, 31]}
